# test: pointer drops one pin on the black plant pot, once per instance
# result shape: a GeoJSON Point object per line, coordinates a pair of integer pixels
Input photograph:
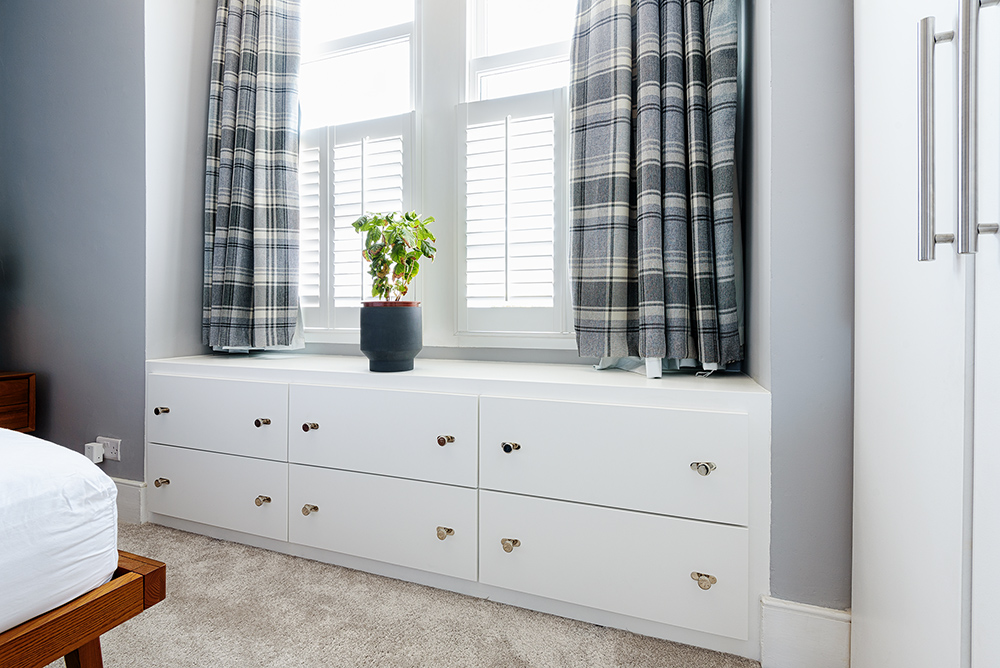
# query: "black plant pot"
{"type": "Point", "coordinates": [391, 334]}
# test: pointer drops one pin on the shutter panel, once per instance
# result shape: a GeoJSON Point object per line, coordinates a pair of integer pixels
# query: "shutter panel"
{"type": "Point", "coordinates": [309, 227]}
{"type": "Point", "coordinates": [367, 178]}
{"type": "Point", "coordinates": [510, 206]}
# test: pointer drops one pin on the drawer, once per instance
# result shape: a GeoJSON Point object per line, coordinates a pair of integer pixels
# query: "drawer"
{"type": "Point", "coordinates": [220, 490]}
{"type": "Point", "coordinates": [218, 415]}
{"type": "Point", "coordinates": [14, 391]}
{"type": "Point", "coordinates": [14, 417]}
{"type": "Point", "coordinates": [621, 561]}
{"type": "Point", "coordinates": [621, 456]}
{"type": "Point", "coordinates": [387, 519]}
{"type": "Point", "coordinates": [389, 432]}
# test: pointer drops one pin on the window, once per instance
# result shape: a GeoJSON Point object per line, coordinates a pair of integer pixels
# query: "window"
{"type": "Point", "coordinates": [410, 104]}
{"type": "Point", "coordinates": [356, 102]}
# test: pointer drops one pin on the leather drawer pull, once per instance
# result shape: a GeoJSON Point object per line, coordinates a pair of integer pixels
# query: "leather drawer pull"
{"type": "Point", "coordinates": [161, 481]}
{"type": "Point", "coordinates": [261, 500]}
{"type": "Point", "coordinates": [306, 426]}
{"type": "Point", "coordinates": [260, 422]}
{"type": "Point", "coordinates": [160, 410]}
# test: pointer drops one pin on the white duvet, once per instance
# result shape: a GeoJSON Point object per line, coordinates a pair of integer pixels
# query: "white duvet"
{"type": "Point", "coordinates": [58, 527]}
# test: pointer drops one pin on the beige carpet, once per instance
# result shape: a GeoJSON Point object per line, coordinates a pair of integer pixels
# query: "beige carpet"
{"type": "Point", "coordinates": [229, 605]}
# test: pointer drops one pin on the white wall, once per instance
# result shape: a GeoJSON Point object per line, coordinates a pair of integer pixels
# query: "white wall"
{"type": "Point", "coordinates": [178, 54]}
{"type": "Point", "coordinates": [72, 224]}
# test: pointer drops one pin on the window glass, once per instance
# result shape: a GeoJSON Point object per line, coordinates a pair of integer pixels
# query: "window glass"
{"type": "Point", "coordinates": [527, 79]}
{"type": "Point", "coordinates": [372, 82]}
{"type": "Point", "coordinates": [506, 27]}
{"type": "Point", "coordinates": [326, 20]}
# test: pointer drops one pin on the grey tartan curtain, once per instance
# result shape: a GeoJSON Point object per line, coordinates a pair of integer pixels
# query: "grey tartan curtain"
{"type": "Point", "coordinates": [251, 177]}
{"type": "Point", "coordinates": [654, 98]}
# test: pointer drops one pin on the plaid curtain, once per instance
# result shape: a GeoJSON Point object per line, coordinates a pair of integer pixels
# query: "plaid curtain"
{"type": "Point", "coordinates": [653, 99]}
{"type": "Point", "coordinates": [251, 177]}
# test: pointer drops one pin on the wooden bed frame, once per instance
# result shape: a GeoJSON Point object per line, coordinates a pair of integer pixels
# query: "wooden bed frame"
{"type": "Point", "coordinates": [74, 629]}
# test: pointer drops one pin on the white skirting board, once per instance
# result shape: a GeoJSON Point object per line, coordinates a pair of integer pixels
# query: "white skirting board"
{"type": "Point", "coordinates": [131, 501]}
{"type": "Point", "coordinates": [796, 635]}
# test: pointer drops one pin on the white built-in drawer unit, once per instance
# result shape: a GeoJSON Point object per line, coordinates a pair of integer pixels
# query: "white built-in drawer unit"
{"type": "Point", "coordinates": [417, 435]}
{"type": "Point", "coordinates": [618, 456]}
{"type": "Point", "coordinates": [597, 495]}
{"type": "Point", "coordinates": [238, 493]}
{"type": "Point", "coordinates": [421, 525]}
{"type": "Point", "coordinates": [237, 417]}
{"type": "Point", "coordinates": [632, 563]}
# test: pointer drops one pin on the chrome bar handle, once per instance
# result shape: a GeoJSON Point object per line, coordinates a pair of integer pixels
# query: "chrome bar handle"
{"type": "Point", "coordinates": [926, 238]}
{"type": "Point", "coordinates": [925, 139]}
{"type": "Point", "coordinates": [968, 128]}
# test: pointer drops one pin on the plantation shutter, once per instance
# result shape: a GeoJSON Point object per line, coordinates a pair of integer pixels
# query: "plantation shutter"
{"type": "Point", "coordinates": [309, 227]}
{"type": "Point", "coordinates": [513, 206]}
{"type": "Point", "coordinates": [353, 169]}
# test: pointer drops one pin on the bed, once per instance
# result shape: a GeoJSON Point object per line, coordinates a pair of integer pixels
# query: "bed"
{"type": "Point", "coordinates": [63, 582]}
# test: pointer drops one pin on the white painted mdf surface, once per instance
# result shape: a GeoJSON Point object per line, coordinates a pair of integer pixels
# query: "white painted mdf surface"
{"type": "Point", "coordinates": [388, 432]}
{"type": "Point", "coordinates": [218, 415]}
{"type": "Point", "coordinates": [619, 456]}
{"type": "Point", "coordinates": [385, 519]}
{"type": "Point", "coordinates": [910, 356]}
{"type": "Point", "coordinates": [986, 428]}
{"type": "Point", "coordinates": [631, 563]}
{"type": "Point", "coordinates": [220, 490]}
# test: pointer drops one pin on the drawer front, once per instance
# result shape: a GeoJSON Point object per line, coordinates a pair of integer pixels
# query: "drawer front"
{"type": "Point", "coordinates": [219, 415]}
{"type": "Point", "coordinates": [387, 519]}
{"type": "Point", "coordinates": [621, 456]}
{"type": "Point", "coordinates": [389, 432]}
{"type": "Point", "coordinates": [14, 417]}
{"type": "Point", "coordinates": [220, 490]}
{"type": "Point", "coordinates": [626, 562]}
{"type": "Point", "coordinates": [14, 391]}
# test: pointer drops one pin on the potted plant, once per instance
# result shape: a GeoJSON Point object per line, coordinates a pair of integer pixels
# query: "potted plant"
{"type": "Point", "coordinates": [391, 329]}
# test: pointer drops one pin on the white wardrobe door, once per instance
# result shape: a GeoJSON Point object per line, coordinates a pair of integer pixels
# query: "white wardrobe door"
{"type": "Point", "coordinates": [910, 320]}
{"type": "Point", "coordinates": [986, 429]}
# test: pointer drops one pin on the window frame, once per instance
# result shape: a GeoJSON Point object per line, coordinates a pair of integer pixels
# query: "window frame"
{"type": "Point", "coordinates": [435, 163]}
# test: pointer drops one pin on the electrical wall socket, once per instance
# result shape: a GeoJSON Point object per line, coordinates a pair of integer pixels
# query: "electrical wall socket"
{"type": "Point", "coordinates": [112, 447]}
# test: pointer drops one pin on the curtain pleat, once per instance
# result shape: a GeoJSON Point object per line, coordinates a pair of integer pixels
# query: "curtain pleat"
{"type": "Point", "coordinates": [251, 177]}
{"type": "Point", "coordinates": [653, 98]}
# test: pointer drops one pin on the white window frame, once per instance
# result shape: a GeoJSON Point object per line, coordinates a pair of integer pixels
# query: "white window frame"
{"type": "Point", "coordinates": [439, 41]}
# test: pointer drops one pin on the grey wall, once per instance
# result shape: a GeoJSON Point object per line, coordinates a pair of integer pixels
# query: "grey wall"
{"type": "Point", "coordinates": [805, 181]}
{"type": "Point", "coordinates": [72, 216]}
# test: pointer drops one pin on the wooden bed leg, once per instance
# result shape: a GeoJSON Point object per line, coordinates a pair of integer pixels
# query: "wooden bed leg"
{"type": "Point", "coordinates": [87, 656]}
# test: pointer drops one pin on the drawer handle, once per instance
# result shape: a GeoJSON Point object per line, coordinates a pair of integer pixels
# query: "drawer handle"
{"type": "Point", "coordinates": [260, 422]}
{"type": "Point", "coordinates": [445, 439]}
{"type": "Point", "coordinates": [508, 447]}
{"type": "Point", "coordinates": [509, 544]}
{"type": "Point", "coordinates": [261, 500]}
{"type": "Point", "coordinates": [159, 482]}
{"type": "Point", "coordinates": [160, 409]}
{"type": "Point", "coordinates": [704, 580]}
{"type": "Point", "coordinates": [703, 468]}
{"type": "Point", "coordinates": [444, 532]}
{"type": "Point", "coordinates": [309, 508]}
{"type": "Point", "coordinates": [306, 426]}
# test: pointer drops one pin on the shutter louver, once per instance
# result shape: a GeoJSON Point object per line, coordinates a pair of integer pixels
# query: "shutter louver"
{"type": "Point", "coordinates": [309, 227]}
{"type": "Point", "coordinates": [367, 178]}
{"type": "Point", "coordinates": [510, 206]}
